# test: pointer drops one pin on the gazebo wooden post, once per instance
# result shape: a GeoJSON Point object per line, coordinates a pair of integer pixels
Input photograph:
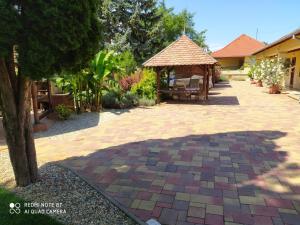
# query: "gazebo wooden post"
{"type": "Point", "coordinates": [213, 75]}
{"type": "Point", "coordinates": [168, 76]}
{"type": "Point", "coordinates": [34, 102]}
{"type": "Point", "coordinates": [204, 82]}
{"type": "Point", "coordinates": [49, 96]}
{"type": "Point", "coordinates": [158, 78]}
{"type": "Point", "coordinates": [207, 81]}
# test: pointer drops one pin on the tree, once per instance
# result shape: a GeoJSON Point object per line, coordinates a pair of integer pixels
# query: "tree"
{"type": "Point", "coordinates": [174, 25]}
{"type": "Point", "coordinates": [133, 25]}
{"type": "Point", "coordinates": [127, 62]}
{"type": "Point", "coordinates": [145, 27]}
{"type": "Point", "coordinates": [38, 39]}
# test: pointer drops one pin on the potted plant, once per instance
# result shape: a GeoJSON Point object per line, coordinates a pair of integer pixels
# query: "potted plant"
{"type": "Point", "coordinates": [258, 74]}
{"type": "Point", "coordinates": [273, 74]}
{"type": "Point", "coordinates": [251, 73]}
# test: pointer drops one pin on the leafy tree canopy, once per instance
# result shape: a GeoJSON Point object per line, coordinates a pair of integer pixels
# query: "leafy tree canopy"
{"type": "Point", "coordinates": [132, 25]}
{"type": "Point", "coordinates": [144, 27]}
{"type": "Point", "coordinates": [175, 25]}
{"type": "Point", "coordinates": [50, 36]}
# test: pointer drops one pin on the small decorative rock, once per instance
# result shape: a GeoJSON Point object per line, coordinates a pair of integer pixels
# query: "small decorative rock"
{"type": "Point", "coordinates": [152, 222]}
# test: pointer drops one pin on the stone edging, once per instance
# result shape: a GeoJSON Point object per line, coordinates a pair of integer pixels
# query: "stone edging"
{"type": "Point", "coordinates": [102, 192]}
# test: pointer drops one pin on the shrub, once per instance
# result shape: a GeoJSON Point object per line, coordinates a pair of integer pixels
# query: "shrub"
{"type": "Point", "coordinates": [272, 71]}
{"type": "Point", "coordinates": [257, 72]}
{"type": "Point", "coordinates": [146, 88]}
{"type": "Point", "coordinates": [223, 78]}
{"type": "Point", "coordinates": [251, 72]}
{"type": "Point", "coordinates": [128, 100]}
{"type": "Point", "coordinates": [146, 102]}
{"type": "Point", "coordinates": [127, 62]}
{"type": "Point", "coordinates": [63, 112]}
{"type": "Point", "coordinates": [112, 100]}
{"type": "Point", "coordinates": [126, 83]}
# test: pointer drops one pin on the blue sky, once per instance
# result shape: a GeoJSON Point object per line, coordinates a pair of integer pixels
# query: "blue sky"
{"type": "Point", "coordinates": [225, 20]}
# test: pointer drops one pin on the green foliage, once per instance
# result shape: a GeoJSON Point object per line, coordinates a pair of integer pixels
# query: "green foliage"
{"type": "Point", "coordinates": [257, 72]}
{"type": "Point", "coordinates": [51, 36]}
{"type": "Point", "coordinates": [78, 85]}
{"type": "Point", "coordinates": [103, 65]}
{"type": "Point", "coordinates": [174, 24]}
{"type": "Point", "coordinates": [97, 85]}
{"type": "Point", "coordinates": [223, 78]}
{"type": "Point", "coordinates": [251, 72]}
{"type": "Point", "coordinates": [146, 88]}
{"type": "Point", "coordinates": [10, 26]}
{"type": "Point", "coordinates": [110, 99]}
{"type": "Point", "coordinates": [63, 112]}
{"type": "Point", "coordinates": [29, 219]}
{"type": "Point", "coordinates": [269, 70]}
{"type": "Point", "coordinates": [133, 25]}
{"type": "Point", "coordinates": [114, 99]}
{"type": "Point", "coordinates": [146, 102]}
{"type": "Point", "coordinates": [144, 27]}
{"type": "Point", "coordinates": [251, 64]}
{"type": "Point", "coordinates": [127, 62]}
{"type": "Point", "coordinates": [273, 71]}
{"type": "Point", "coordinates": [128, 100]}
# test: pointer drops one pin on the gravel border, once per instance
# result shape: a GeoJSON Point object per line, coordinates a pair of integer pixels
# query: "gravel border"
{"type": "Point", "coordinates": [111, 200]}
{"type": "Point", "coordinates": [83, 204]}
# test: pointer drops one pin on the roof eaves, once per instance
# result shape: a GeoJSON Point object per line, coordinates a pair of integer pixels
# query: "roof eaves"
{"type": "Point", "coordinates": [279, 41]}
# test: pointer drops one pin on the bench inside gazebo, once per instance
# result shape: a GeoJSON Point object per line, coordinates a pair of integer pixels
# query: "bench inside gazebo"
{"type": "Point", "coordinates": [188, 68]}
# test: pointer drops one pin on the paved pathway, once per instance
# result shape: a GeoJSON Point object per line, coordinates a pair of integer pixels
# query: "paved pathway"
{"type": "Point", "coordinates": [235, 160]}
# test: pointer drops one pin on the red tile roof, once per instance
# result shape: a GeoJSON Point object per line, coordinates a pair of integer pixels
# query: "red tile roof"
{"type": "Point", "coordinates": [181, 52]}
{"type": "Point", "coordinates": [240, 47]}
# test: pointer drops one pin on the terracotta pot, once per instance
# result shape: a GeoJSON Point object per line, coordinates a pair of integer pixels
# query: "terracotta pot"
{"type": "Point", "coordinates": [259, 83]}
{"type": "Point", "coordinates": [253, 82]}
{"type": "Point", "coordinates": [274, 89]}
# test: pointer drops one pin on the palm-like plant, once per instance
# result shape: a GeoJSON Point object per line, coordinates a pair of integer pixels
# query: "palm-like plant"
{"type": "Point", "coordinates": [73, 84]}
{"type": "Point", "coordinates": [102, 66]}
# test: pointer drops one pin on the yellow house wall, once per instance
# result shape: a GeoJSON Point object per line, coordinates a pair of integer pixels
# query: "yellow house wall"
{"type": "Point", "coordinates": [297, 70]}
{"type": "Point", "coordinates": [231, 63]}
{"type": "Point", "coordinates": [282, 50]}
{"type": "Point", "coordinates": [284, 47]}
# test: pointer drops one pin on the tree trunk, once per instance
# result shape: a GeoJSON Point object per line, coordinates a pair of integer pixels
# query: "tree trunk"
{"type": "Point", "coordinates": [35, 103]}
{"type": "Point", "coordinates": [17, 125]}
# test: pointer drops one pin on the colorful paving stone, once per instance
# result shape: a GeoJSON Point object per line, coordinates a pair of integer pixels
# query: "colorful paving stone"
{"type": "Point", "coordinates": [233, 160]}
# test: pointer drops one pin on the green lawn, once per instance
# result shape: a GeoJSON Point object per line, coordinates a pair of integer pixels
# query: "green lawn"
{"type": "Point", "coordinates": [22, 219]}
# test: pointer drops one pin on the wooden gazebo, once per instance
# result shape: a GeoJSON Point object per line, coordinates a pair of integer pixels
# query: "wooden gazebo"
{"type": "Point", "coordinates": [187, 60]}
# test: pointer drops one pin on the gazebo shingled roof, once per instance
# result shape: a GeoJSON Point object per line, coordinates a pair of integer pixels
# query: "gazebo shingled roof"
{"type": "Point", "coordinates": [183, 52]}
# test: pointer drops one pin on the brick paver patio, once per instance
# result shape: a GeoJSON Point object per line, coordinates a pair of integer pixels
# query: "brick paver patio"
{"type": "Point", "coordinates": [232, 161]}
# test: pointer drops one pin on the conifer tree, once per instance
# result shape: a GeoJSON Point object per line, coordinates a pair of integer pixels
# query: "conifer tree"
{"type": "Point", "coordinates": [38, 39]}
